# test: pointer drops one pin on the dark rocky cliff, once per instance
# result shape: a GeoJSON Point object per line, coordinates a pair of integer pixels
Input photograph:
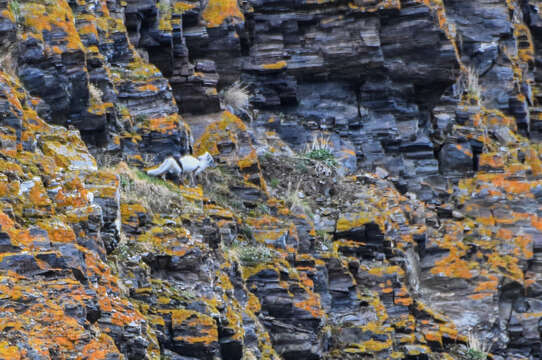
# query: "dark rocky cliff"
{"type": "Point", "coordinates": [415, 234]}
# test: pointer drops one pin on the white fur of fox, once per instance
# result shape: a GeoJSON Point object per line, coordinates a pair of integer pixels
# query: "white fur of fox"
{"type": "Point", "coordinates": [189, 165]}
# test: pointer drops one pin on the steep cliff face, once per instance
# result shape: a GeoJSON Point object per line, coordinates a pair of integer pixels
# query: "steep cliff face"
{"type": "Point", "coordinates": [409, 229]}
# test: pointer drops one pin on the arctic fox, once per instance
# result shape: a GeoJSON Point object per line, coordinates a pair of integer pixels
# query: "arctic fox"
{"type": "Point", "coordinates": [186, 164]}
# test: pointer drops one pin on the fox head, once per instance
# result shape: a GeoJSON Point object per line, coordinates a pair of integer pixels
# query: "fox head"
{"type": "Point", "coordinates": [208, 159]}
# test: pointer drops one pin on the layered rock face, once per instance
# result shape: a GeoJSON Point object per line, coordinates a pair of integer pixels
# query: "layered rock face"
{"type": "Point", "coordinates": [388, 76]}
{"type": "Point", "coordinates": [76, 56]}
{"type": "Point", "coordinates": [410, 229]}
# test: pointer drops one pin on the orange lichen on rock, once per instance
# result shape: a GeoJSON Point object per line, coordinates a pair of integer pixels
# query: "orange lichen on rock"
{"type": "Point", "coordinates": [453, 266]}
{"type": "Point", "coordinates": [58, 232]}
{"type": "Point", "coordinates": [164, 124]}
{"type": "Point", "coordinates": [203, 327]}
{"type": "Point", "coordinates": [147, 87]}
{"type": "Point", "coordinates": [99, 349]}
{"type": "Point", "coordinates": [370, 5]}
{"type": "Point", "coordinates": [180, 7]}
{"type": "Point", "coordinates": [275, 66]}
{"type": "Point", "coordinates": [8, 351]}
{"type": "Point", "coordinates": [312, 305]}
{"type": "Point", "coordinates": [218, 11]}
{"type": "Point", "coordinates": [346, 223]}
{"type": "Point", "coordinates": [250, 160]}
{"type": "Point", "coordinates": [41, 18]}
{"type": "Point", "coordinates": [225, 129]}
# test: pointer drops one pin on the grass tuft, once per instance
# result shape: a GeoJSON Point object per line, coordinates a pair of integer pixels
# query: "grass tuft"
{"type": "Point", "coordinates": [473, 89]}
{"type": "Point", "coordinates": [478, 349]}
{"type": "Point", "coordinates": [320, 150]}
{"type": "Point", "coordinates": [153, 193]}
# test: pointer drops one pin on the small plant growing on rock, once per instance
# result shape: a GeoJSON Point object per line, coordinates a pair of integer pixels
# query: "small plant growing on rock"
{"type": "Point", "coordinates": [324, 240]}
{"type": "Point", "coordinates": [320, 151]}
{"type": "Point", "coordinates": [253, 255]}
{"type": "Point", "coordinates": [478, 349]}
{"type": "Point", "coordinates": [164, 6]}
{"type": "Point", "coordinates": [246, 232]}
{"type": "Point", "coordinates": [139, 118]}
{"type": "Point", "coordinates": [15, 8]}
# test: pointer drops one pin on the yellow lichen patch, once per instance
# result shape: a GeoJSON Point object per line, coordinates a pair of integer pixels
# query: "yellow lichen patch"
{"type": "Point", "coordinates": [369, 346]}
{"type": "Point", "coordinates": [218, 11]}
{"type": "Point", "coordinates": [41, 18]}
{"type": "Point", "coordinates": [192, 193]}
{"type": "Point", "coordinates": [72, 195]}
{"type": "Point", "coordinates": [250, 160]}
{"type": "Point", "coordinates": [532, 158]}
{"type": "Point", "coordinates": [9, 352]}
{"type": "Point", "coordinates": [141, 71]}
{"type": "Point", "coordinates": [8, 14]}
{"type": "Point", "coordinates": [180, 7]}
{"type": "Point", "coordinates": [253, 304]}
{"type": "Point", "coordinates": [524, 40]}
{"type": "Point", "coordinates": [480, 296]}
{"type": "Point", "coordinates": [380, 271]}
{"type": "Point", "coordinates": [235, 321]}
{"type": "Point", "coordinates": [275, 66]}
{"type": "Point", "coordinates": [130, 212]}
{"type": "Point", "coordinates": [423, 308]}
{"type": "Point", "coordinates": [167, 240]}
{"type": "Point", "coordinates": [218, 212]}
{"type": "Point", "coordinates": [202, 326]}
{"type": "Point", "coordinates": [523, 247]}
{"type": "Point", "coordinates": [71, 154]}
{"type": "Point", "coordinates": [249, 271]}
{"type": "Point", "coordinates": [347, 223]}
{"type": "Point", "coordinates": [490, 286]}
{"type": "Point", "coordinates": [6, 223]}
{"type": "Point", "coordinates": [372, 6]}
{"type": "Point", "coordinates": [506, 265]}
{"type": "Point", "coordinates": [103, 184]}
{"type": "Point", "coordinates": [225, 129]}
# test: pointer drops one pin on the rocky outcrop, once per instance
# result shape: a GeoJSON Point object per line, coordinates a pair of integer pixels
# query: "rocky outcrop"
{"type": "Point", "coordinates": [381, 198]}
{"type": "Point", "coordinates": [77, 58]}
{"type": "Point", "coordinates": [53, 256]}
{"type": "Point", "coordinates": [386, 75]}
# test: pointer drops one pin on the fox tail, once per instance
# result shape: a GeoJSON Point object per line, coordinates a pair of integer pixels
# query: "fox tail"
{"type": "Point", "coordinates": [168, 165]}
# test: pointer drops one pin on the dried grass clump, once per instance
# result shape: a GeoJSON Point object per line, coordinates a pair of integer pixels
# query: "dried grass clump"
{"type": "Point", "coordinates": [237, 96]}
{"type": "Point", "coordinates": [319, 143]}
{"type": "Point", "coordinates": [156, 195]}
{"type": "Point", "coordinates": [474, 91]}
{"type": "Point", "coordinates": [294, 200]}
{"type": "Point", "coordinates": [95, 93]}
